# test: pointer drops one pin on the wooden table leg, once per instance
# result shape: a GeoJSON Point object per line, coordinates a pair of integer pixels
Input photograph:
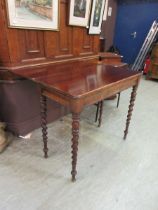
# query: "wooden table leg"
{"type": "Point", "coordinates": [118, 100]}
{"type": "Point", "coordinates": [44, 123]}
{"type": "Point", "coordinates": [100, 113]}
{"type": "Point", "coordinates": [97, 112]}
{"type": "Point", "coordinates": [133, 97]}
{"type": "Point", "coordinates": [75, 137]}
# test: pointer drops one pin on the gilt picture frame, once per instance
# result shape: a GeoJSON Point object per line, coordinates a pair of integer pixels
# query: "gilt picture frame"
{"type": "Point", "coordinates": [33, 14]}
{"type": "Point", "coordinates": [97, 11]}
{"type": "Point", "coordinates": [79, 12]}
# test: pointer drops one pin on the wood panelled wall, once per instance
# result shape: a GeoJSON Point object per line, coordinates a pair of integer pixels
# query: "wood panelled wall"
{"type": "Point", "coordinates": [21, 47]}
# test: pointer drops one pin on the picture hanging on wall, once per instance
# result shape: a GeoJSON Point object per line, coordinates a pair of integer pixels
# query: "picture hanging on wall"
{"type": "Point", "coordinates": [79, 12]}
{"type": "Point", "coordinates": [96, 16]}
{"type": "Point", "coordinates": [33, 14]}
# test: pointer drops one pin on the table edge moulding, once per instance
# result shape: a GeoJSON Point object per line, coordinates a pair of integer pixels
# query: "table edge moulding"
{"type": "Point", "coordinates": [77, 84]}
{"type": "Point", "coordinates": [67, 68]}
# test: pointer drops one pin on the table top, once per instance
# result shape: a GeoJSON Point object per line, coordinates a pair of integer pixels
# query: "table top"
{"type": "Point", "coordinates": [76, 78]}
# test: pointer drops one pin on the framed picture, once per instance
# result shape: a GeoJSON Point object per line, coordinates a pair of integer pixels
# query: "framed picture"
{"type": "Point", "coordinates": [79, 12]}
{"type": "Point", "coordinates": [96, 16]}
{"type": "Point", "coordinates": [33, 14]}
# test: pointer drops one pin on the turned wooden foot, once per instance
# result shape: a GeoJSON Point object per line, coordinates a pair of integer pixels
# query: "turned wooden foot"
{"type": "Point", "coordinates": [133, 97]}
{"type": "Point", "coordinates": [75, 137]}
{"type": "Point", "coordinates": [100, 113]}
{"type": "Point", "coordinates": [44, 124]}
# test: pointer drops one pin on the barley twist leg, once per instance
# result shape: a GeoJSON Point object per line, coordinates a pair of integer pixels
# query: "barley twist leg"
{"type": "Point", "coordinates": [43, 100]}
{"type": "Point", "coordinates": [75, 137]}
{"type": "Point", "coordinates": [100, 113]}
{"type": "Point", "coordinates": [132, 100]}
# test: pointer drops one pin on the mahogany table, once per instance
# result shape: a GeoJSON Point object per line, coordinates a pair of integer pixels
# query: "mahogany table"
{"type": "Point", "coordinates": [77, 84]}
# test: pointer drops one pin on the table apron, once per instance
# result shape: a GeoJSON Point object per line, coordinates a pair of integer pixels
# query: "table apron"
{"type": "Point", "coordinates": [110, 90]}
{"type": "Point", "coordinates": [76, 105]}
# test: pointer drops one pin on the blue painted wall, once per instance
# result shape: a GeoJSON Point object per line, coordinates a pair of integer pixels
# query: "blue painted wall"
{"type": "Point", "coordinates": [133, 15]}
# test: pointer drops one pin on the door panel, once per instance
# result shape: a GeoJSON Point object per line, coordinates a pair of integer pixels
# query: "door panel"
{"type": "Point", "coordinates": [134, 17]}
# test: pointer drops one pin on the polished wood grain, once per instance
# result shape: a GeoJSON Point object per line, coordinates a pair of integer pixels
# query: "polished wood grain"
{"type": "Point", "coordinates": [79, 79]}
{"type": "Point", "coordinates": [115, 60]}
{"type": "Point", "coordinates": [77, 84]}
{"type": "Point", "coordinates": [32, 42]}
{"type": "Point", "coordinates": [33, 54]}
{"type": "Point", "coordinates": [24, 47]}
{"type": "Point", "coordinates": [4, 51]}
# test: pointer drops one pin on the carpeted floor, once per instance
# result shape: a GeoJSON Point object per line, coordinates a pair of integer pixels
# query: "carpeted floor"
{"type": "Point", "coordinates": [112, 174]}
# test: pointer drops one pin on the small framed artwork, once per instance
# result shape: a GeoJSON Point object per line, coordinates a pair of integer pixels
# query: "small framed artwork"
{"type": "Point", "coordinates": [79, 12]}
{"type": "Point", "coordinates": [33, 14]}
{"type": "Point", "coordinates": [96, 16]}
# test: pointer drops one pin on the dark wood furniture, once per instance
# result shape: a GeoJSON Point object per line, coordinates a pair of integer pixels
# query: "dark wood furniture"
{"type": "Point", "coordinates": [100, 106]}
{"type": "Point", "coordinates": [76, 84]}
{"type": "Point", "coordinates": [53, 60]}
{"type": "Point", "coordinates": [111, 59]}
{"type": "Point", "coordinates": [116, 61]}
{"type": "Point", "coordinates": [21, 48]}
{"type": "Point", "coordinates": [153, 67]}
